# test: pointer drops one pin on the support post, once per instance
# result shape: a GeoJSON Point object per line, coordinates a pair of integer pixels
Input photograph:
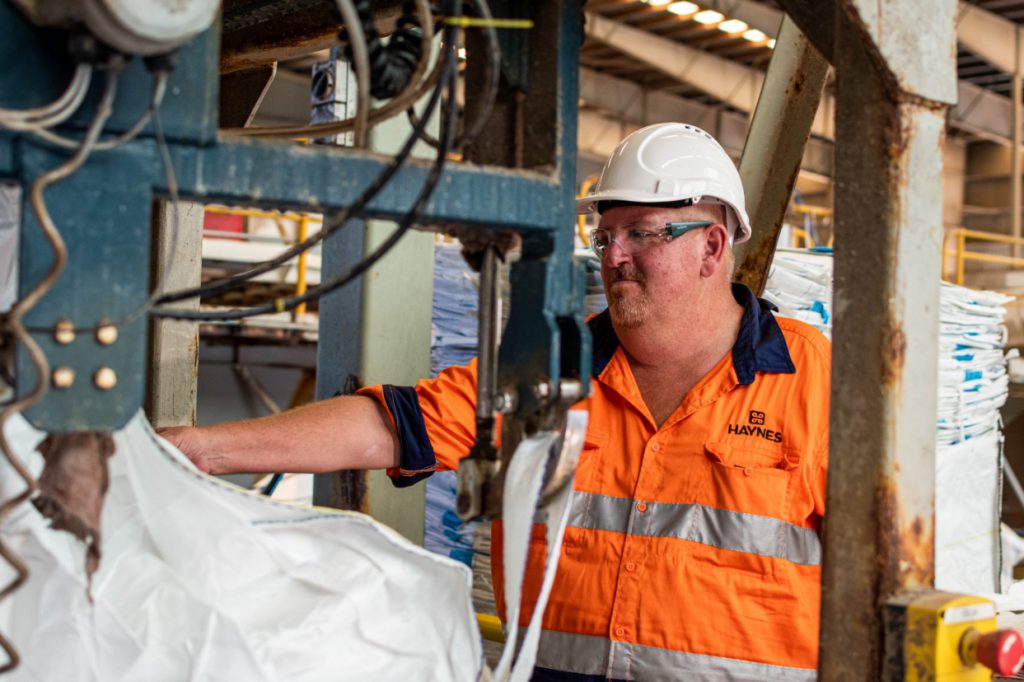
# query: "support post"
{"type": "Point", "coordinates": [1015, 170]}
{"type": "Point", "coordinates": [896, 81]}
{"type": "Point", "coordinates": [775, 144]}
{"type": "Point", "coordinates": [174, 347]}
{"type": "Point", "coordinates": [376, 329]}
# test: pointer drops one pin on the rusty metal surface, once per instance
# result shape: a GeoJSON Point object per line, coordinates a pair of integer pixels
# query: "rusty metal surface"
{"type": "Point", "coordinates": [879, 533]}
{"type": "Point", "coordinates": [775, 144]}
{"type": "Point", "coordinates": [257, 32]}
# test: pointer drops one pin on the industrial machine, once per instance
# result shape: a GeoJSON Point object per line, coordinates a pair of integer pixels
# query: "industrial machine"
{"type": "Point", "coordinates": [106, 106]}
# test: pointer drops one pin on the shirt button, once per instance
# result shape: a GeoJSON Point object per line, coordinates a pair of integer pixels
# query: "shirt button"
{"type": "Point", "coordinates": [641, 507]}
{"type": "Point", "coordinates": [747, 471]}
{"type": "Point", "coordinates": [656, 447]}
{"type": "Point", "coordinates": [620, 631]}
{"type": "Point", "coordinates": [630, 566]}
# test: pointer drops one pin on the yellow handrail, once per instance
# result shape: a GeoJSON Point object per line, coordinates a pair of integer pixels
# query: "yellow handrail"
{"type": "Point", "coordinates": [581, 220]}
{"type": "Point", "coordinates": [962, 255]}
{"type": "Point", "coordinates": [257, 213]}
{"type": "Point", "coordinates": [303, 219]}
{"type": "Point", "coordinates": [800, 233]}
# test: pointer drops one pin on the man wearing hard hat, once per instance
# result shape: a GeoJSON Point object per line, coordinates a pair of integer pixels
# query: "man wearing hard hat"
{"type": "Point", "coordinates": [693, 547]}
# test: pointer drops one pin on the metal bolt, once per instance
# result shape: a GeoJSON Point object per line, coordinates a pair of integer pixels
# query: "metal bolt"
{"type": "Point", "coordinates": [105, 378]}
{"type": "Point", "coordinates": [504, 402]}
{"type": "Point", "coordinates": [64, 332]}
{"type": "Point", "coordinates": [542, 390]}
{"type": "Point", "coordinates": [570, 390]}
{"type": "Point", "coordinates": [106, 333]}
{"type": "Point", "coordinates": [63, 377]}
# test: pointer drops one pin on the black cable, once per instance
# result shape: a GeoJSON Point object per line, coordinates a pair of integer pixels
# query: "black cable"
{"type": "Point", "coordinates": [448, 78]}
{"type": "Point", "coordinates": [469, 134]}
{"type": "Point", "coordinates": [331, 225]}
{"type": "Point", "coordinates": [391, 65]}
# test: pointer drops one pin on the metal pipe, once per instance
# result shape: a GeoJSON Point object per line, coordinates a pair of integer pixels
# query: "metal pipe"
{"type": "Point", "coordinates": [300, 275]}
{"type": "Point", "coordinates": [487, 342]}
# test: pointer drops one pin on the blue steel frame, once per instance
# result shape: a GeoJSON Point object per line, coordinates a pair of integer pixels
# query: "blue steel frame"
{"type": "Point", "coordinates": [104, 214]}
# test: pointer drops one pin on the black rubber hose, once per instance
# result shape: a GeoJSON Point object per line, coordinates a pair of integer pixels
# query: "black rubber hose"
{"type": "Point", "coordinates": [391, 65]}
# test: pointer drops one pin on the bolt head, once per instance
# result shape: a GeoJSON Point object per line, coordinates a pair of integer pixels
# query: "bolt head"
{"type": "Point", "coordinates": [106, 334]}
{"type": "Point", "coordinates": [63, 377]}
{"type": "Point", "coordinates": [105, 378]}
{"type": "Point", "coordinates": [64, 332]}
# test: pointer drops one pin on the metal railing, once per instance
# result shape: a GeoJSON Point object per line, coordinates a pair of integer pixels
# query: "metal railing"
{"type": "Point", "coordinates": [961, 255]}
{"type": "Point", "coordinates": [302, 221]}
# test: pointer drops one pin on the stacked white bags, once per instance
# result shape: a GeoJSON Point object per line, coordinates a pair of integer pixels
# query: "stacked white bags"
{"type": "Point", "coordinates": [973, 385]}
{"type": "Point", "coordinates": [453, 342]}
{"type": "Point", "coordinates": [800, 284]}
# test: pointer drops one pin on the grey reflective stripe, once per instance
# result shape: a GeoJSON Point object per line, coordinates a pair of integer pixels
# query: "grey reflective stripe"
{"type": "Point", "coordinates": [589, 655]}
{"type": "Point", "coordinates": [721, 528]}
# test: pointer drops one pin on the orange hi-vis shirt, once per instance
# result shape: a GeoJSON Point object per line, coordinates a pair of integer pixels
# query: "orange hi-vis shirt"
{"type": "Point", "coordinates": [692, 550]}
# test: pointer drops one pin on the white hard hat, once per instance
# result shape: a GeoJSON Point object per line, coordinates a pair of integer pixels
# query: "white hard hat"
{"type": "Point", "coordinates": [669, 162]}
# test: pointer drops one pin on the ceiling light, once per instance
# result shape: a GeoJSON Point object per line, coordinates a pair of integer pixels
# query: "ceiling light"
{"type": "Point", "coordinates": [771, 44]}
{"type": "Point", "coordinates": [754, 36]}
{"type": "Point", "coordinates": [733, 26]}
{"type": "Point", "coordinates": [682, 8]}
{"type": "Point", "coordinates": [708, 16]}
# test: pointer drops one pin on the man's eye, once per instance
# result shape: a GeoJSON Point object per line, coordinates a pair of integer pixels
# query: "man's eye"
{"type": "Point", "coordinates": [642, 235]}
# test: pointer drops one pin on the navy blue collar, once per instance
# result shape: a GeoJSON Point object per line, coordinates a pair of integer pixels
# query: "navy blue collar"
{"type": "Point", "coordinates": [760, 345]}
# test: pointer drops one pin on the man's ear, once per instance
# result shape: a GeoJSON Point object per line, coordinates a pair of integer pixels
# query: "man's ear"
{"type": "Point", "coordinates": [716, 246]}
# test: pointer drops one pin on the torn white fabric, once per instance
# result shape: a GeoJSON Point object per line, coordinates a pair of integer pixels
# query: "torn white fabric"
{"type": "Point", "coordinates": [204, 582]}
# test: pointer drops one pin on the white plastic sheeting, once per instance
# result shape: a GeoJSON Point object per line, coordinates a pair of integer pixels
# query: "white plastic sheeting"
{"type": "Point", "coordinates": [973, 385]}
{"type": "Point", "coordinates": [201, 581]}
{"type": "Point", "coordinates": [968, 497]}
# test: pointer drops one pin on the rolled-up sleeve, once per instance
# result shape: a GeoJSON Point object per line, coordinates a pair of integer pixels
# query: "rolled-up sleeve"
{"type": "Point", "coordinates": [435, 422]}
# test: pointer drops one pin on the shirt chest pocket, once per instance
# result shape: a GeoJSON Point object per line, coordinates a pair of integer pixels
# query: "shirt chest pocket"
{"type": "Point", "coordinates": [753, 479]}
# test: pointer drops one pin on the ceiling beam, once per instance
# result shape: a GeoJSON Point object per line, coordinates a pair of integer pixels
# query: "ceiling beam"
{"type": "Point", "coordinates": [627, 106]}
{"type": "Point", "coordinates": [978, 111]}
{"type": "Point", "coordinates": [731, 82]}
{"type": "Point", "coordinates": [988, 35]}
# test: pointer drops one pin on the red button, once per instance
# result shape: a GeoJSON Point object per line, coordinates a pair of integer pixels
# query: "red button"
{"type": "Point", "coordinates": [1001, 651]}
{"type": "Point", "coordinates": [641, 507]}
{"type": "Point", "coordinates": [630, 566]}
{"type": "Point", "coordinates": [620, 632]}
{"type": "Point", "coordinates": [656, 446]}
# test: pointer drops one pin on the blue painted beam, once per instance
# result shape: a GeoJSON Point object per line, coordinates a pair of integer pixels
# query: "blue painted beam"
{"type": "Point", "coordinates": [314, 178]}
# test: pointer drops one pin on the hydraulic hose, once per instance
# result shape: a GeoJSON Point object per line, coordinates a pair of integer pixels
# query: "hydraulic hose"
{"type": "Point", "coordinates": [391, 65]}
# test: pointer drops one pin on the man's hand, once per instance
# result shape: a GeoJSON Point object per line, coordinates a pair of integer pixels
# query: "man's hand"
{"type": "Point", "coordinates": [188, 439]}
{"type": "Point", "coordinates": [349, 432]}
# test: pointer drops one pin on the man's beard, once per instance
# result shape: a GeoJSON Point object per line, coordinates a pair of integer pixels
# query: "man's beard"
{"type": "Point", "coordinates": [629, 306]}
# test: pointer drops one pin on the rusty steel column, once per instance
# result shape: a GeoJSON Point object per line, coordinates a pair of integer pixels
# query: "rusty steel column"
{"type": "Point", "coordinates": [774, 148]}
{"type": "Point", "coordinates": [896, 79]}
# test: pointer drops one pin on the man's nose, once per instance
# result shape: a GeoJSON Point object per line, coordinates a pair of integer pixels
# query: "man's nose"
{"type": "Point", "coordinates": [615, 255]}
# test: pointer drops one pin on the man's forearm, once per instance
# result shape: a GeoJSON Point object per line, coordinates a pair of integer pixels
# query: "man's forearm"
{"type": "Point", "coordinates": [349, 432]}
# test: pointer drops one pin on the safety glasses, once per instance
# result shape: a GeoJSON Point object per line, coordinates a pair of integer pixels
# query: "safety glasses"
{"type": "Point", "coordinates": [634, 240]}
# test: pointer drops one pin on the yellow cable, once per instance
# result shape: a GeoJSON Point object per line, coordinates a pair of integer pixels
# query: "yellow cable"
{"type": "Point", "coordinates": [476, 22]}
